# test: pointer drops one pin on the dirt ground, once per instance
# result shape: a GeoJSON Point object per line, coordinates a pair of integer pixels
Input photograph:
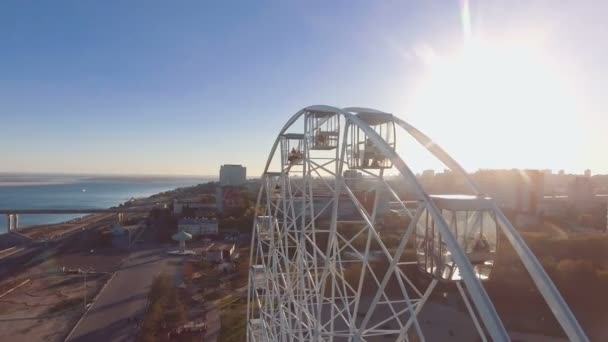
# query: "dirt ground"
{"type": "Point", "coordinates": [100, 260]}
{"type": "Point", "coordinates": [51, 231]}
{"type": "Point", "coordinates": [47, 307]}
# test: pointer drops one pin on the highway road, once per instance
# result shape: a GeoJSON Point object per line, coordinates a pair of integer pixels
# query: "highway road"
{"type": "Point", "coordinates": [121, 304]}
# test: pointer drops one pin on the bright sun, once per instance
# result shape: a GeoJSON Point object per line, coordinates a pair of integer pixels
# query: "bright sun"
{"type": "Point", "coordinates": [499, 105]}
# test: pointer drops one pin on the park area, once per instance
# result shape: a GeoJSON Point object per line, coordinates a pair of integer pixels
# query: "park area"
{"type": "Point", "coordinates": [208, 304]}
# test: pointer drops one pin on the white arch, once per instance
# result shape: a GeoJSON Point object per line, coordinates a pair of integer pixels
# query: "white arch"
{"type": "Point", "coordinates": [478, 295]}
{"type": "Point", "coordinates": [542, 280]}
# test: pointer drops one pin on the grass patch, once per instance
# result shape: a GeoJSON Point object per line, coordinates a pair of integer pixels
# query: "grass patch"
{"type": "Point", "coordinates": [165, 311]}
{"type": "Point", "coordinates": [233, 324]}
{"type": "Point", "coordinates": [212, 295]}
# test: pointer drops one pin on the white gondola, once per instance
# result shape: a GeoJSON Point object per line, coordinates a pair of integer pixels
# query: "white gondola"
{"type": "Point", "coordinates": [363, 153]}
{"type": "Point", "coordinates": [258, 276]}
{"type": "Point", "coordinates": [256, 330]}
{"type": "Point", "coordinates": [292, 148]}
{"type": "Point", "coordinates": [273, 181]}
{"type": "Point", "coordinates": [324, 128]}
{"type": "Point", "coordinates": [264, 226]}
{"type": "Point", "coordinates": [472, 221]}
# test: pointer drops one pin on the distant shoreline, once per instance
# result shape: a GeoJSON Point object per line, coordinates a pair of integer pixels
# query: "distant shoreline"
{"type": "Point", "coordinates": [104, 175]}
{"type": "Point", "coordinates": [29, 179]}
{"type": "Point", "coordinates": [49, 223]}
{"type": "Point", "coordinates": [15, 184]}
{"type": "Point", "coordinates": [39, 231]}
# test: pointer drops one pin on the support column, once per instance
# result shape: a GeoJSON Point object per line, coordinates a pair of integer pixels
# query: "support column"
{"type": "Point", "coordinates": [121, 218]}
{"type": "Point", "coordinates": [12, 222]}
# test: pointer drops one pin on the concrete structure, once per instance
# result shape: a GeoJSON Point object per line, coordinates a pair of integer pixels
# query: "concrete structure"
{"type": "Point", "coordinates": [198, 227]}
{"type": "Point", "coordinates": [233, 175]}
{"type": "Point", "coordinates": [12, 222]}
{"type": "Point", "coordinates": [220, 252]}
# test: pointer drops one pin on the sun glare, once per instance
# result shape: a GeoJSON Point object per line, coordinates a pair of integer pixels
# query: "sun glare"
{"type": "Point", "coordinates": [507, 95]}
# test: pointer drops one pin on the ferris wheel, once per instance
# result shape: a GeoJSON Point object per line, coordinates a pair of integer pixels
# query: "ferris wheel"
{"type": "Point", "coordinates": [325, 267]}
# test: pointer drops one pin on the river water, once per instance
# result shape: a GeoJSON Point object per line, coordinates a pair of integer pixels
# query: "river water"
{"type": "Point", "coordinates": [27, 191]}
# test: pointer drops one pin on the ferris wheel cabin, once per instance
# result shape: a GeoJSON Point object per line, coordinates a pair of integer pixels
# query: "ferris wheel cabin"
{"type": "Point", "coordinates": [363, 153]}
{"type": "Point", "coordinates": [257, 330]}
{"type": "Point", "coordinates": [324, 130]}
{"type": "Point", "coordinates": [292, 148]}
{"type": "Point", "coordinates": [264, 226]}
{"type": "Point", "coordinates": [472, 221]}
{"type": "Point", "coordinates": [258, 276]}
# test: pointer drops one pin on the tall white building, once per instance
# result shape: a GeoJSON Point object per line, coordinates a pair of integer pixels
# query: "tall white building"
{"type": "Point", "coordinates": [233, 175]}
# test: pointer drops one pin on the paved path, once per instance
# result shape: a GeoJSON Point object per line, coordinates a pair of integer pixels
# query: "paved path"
{"type": "Point", "coordinates": [110, 318]}
{"type": "Point", "coordinates": [212, 319]}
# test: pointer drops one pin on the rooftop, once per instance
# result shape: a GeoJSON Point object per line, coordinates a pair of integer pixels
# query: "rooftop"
{"type": "Point", "coordinates": [181, 236]}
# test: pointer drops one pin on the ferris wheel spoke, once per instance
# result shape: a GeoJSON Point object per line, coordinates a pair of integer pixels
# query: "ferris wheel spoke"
{"type": "Point", "coordinates": [327, 268]}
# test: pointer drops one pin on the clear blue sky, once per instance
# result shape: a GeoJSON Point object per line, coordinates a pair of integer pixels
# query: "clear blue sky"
{"type": "Point", "coordinates": [181, 87]}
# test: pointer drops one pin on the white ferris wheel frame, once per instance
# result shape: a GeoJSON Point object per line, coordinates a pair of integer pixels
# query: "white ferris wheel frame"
{"type": "Point", "coordinates": [301, 305]}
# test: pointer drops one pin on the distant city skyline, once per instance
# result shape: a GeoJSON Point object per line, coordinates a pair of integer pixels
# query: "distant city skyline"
{"type": "Point", "coordinates": [157, 88]}
{"type": "Point", "coordinates": [216, 176]}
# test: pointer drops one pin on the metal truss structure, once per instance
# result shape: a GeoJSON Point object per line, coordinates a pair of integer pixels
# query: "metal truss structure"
{"type": "Point", "coordinates": [323, 267]}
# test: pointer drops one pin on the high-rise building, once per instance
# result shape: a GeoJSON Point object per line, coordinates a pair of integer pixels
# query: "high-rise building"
{"type": "Point", "coordinates": [580, 189]}
{"type": "Point", "coordinates": [427, 177]}
{"type": "Point", "coordinates": [517, 190]}
{"type": "Point", "coordinates": [233, 175]}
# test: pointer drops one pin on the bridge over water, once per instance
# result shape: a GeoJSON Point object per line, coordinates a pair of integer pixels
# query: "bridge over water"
{"type": "Point", "coordinates": [12, 214]}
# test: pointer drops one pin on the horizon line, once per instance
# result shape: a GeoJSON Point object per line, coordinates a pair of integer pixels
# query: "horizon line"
{"type": "Point", "coordinates": [105, 174]}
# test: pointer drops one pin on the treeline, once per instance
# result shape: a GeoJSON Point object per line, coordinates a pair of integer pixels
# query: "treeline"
{"type": "Point", "coordinates": [165, 310]}
{"type": "Point", "coordinates": [578, 265]}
